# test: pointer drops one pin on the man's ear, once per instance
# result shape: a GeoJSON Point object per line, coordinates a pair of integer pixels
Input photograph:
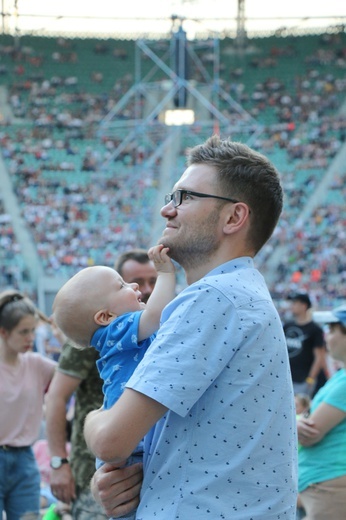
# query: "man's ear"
{"type": "Point", "coordinates": [104, 317]}
{"type": "Point", "coordinates": [237, 218]}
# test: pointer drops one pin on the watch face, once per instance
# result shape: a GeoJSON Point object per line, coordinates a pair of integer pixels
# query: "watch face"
{"type": "Point", "coordinates": [56, 462]}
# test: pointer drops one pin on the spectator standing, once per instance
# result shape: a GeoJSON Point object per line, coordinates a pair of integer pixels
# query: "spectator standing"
{"type": "Point", "coordinates": [213, 394]}
{"type": "Point", "coordinates": [306, 347]}
{"type": "Point", "coordinates": [42, 334]}
{"type": "Point", "coordinates": [302, 403]}
{"type": "Point", "coordinates": [322, 436]}
{"type": "Point", "coordinates": [77, 376]}
{"type": "Point", "coordinates": [24, 379]}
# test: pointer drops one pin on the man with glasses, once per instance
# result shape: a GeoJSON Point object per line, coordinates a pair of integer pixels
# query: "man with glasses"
{"type": "Point", "coordinates": [213, 395]}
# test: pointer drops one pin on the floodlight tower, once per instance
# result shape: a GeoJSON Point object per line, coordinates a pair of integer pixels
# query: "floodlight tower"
{"type": "Point", "coordinates": [179, 61]}
{"type": "Point", "coordinates": [180, 80]}
{"type": "Point", "coordinates": [241, 31]}
{"type": "Point", "coordinates": [176, 102]}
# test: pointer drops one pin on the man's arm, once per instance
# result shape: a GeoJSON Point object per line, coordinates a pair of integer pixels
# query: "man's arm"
{"type": "Point", "coordinates": [319, 362]}
{"type": "Point", "coordinates": [61, 389]}
{"type": "Point", "coordinates": [113, 434]}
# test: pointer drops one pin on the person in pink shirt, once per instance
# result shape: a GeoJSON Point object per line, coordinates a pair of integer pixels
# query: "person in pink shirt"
{"type": "Point", "coordinates": [24, 380]}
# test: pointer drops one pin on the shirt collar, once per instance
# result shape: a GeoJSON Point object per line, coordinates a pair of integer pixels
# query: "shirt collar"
{"type": "Point", "coordinates": [243, 262]}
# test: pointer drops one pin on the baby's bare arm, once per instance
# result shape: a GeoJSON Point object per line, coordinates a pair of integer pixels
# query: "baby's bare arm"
{"type": "Point", "coordinates": [163, 293]}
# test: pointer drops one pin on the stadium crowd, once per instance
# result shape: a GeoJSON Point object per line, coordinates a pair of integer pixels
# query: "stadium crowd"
{"type": "Point", "coordinates": [70, 220]}
{"type": "Point", "coordinates": [67, 217]}
{"type": "Point", "coordinates": [81, 215]}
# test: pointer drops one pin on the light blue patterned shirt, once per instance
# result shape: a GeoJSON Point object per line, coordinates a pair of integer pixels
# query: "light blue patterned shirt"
{"type": "Point", "coordinates": [226, 449]}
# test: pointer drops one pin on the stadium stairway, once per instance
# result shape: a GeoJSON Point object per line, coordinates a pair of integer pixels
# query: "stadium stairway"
{"type": "Point", "coordinates": [5, 109]}
{"type": "Point", "coordinates": [29, 251]}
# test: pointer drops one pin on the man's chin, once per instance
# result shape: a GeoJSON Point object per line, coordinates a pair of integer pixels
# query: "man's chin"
{"type": "Point", "coordinates": [164, 240]}
{"type": "Point", "coordinates": [166, 243]}
{"type": "Point", "coordinates": [170, 242]}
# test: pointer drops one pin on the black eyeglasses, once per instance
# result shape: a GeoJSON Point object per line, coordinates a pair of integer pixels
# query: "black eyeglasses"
{"type": "Point", "coordinates": [178, 196]}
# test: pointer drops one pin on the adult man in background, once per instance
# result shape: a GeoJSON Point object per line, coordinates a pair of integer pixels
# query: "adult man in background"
{"type": "Point", "coordinates": [306, 347]}
{"type": "Point", "coordinates": [135, 267]}
{"type": "Point", "coordinates": [77, 375]}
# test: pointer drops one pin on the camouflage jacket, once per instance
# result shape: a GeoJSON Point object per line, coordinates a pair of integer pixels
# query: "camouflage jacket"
{"type": "Point", "coordinates": [82, 365]}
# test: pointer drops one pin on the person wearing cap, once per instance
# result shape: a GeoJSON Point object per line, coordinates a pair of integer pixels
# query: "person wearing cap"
{"type": "Point", "coordinates": [306, 347]}
{"type": "Point", "coordinates": [322, 436]}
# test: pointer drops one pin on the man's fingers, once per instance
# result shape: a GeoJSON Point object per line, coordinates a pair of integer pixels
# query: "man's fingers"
{"type": "Point", "coordinates": [129, 502]}
{"type": "Point", "coordinates": [117, 489]}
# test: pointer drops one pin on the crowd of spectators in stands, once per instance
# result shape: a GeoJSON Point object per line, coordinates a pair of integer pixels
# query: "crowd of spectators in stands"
{"type": "Point", "coordinates": [77, 224]}
{"type": "Point", "coordinates": [314, 259]}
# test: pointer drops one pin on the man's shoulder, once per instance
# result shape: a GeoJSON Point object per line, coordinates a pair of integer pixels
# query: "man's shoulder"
{"type": "Point", "coordinates": [313, 327]}
{"type": "Point", "coordinates": [316, 325]}
{"type": "Point", "coordinates": [244, 286]}
{"type": "Point", "coordinates": [309, 325]}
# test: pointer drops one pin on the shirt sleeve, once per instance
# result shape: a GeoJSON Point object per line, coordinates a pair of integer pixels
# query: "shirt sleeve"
{"type": "Point", "coordinates": [120, 335]}
{"type": "Point", "coordinates": [319, 338]}
{"type": "Point", "coordinates": [77, 362]}
{"type": "Point", "coordinates": [186, 358]}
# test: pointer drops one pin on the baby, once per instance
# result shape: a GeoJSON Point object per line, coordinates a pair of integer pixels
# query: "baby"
{"type": "Point", "coordinates": [96, 307]}
{"type": "Point", "coordinates": [302, 402]}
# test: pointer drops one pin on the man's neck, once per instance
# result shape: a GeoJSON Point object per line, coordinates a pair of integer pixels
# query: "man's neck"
{"type": "Point", "coordinates": [227, 251]}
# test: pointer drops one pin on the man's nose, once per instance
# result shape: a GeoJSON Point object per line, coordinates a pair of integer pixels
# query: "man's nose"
{"type": "Point", "coordinates": [145, 288]}
{"type": "Point", "coordinates": [168, 210]}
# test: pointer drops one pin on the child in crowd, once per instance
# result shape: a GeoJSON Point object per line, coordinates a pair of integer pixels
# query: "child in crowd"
{"type": "Point", "coordinates": [24, 380]}
{"type": "Point", "coordinates": [96, 307]}
{"type": "Point", "coordinates": [302, 402]}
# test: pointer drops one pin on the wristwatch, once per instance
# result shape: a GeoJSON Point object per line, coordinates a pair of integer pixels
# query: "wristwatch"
{"type": "Point", "coordinates": [57, 462]}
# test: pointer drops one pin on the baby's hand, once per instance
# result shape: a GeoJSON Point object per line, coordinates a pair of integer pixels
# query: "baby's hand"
{"type": "Point", "coordinates": [163, 264]}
